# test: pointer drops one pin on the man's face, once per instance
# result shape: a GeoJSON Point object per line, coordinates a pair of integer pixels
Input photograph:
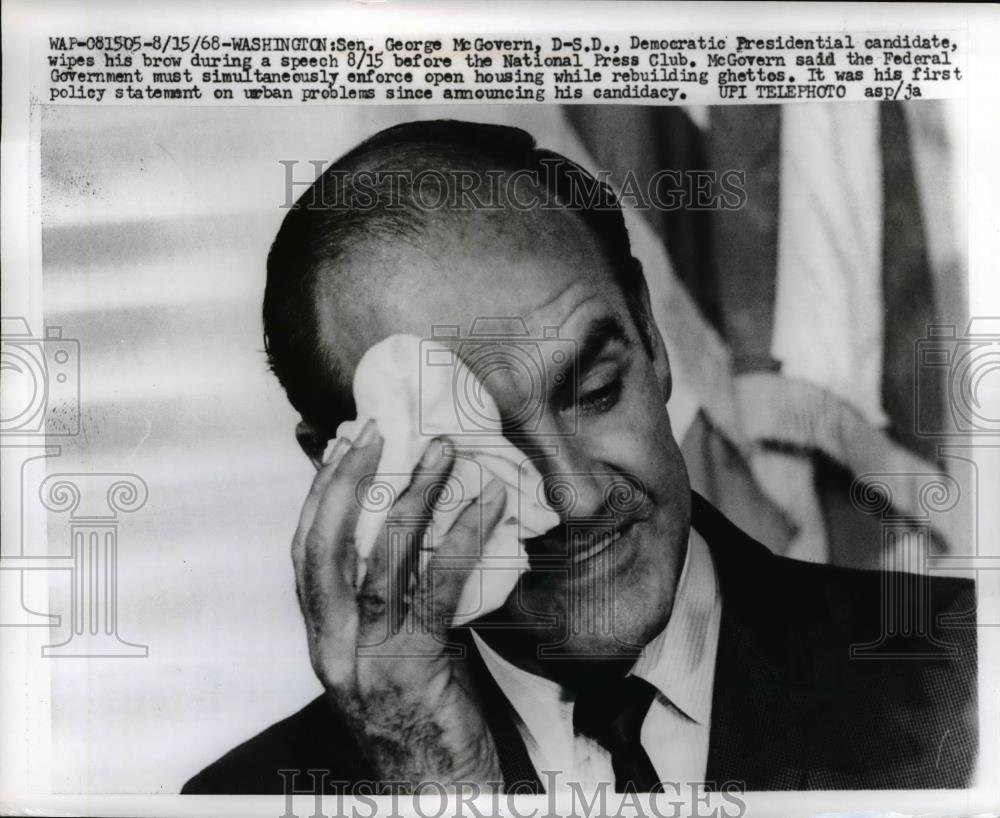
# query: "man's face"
{"type": "Point", "coordinates": [602, 583]}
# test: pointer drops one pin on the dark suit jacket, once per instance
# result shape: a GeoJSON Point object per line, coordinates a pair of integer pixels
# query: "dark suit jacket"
{"type": "Point", "coordinates": [815, 686]}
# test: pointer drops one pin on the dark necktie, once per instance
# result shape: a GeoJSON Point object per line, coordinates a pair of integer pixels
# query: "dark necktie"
{"type": "Point", "coordinates": [612, 715]}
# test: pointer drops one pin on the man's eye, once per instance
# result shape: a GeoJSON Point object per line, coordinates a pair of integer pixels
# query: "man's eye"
{"type": "Point", "coordinates": [600, 399]}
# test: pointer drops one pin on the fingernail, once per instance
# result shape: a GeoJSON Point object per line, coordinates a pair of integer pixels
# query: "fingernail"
{"type": "Point", "coordinates": [437, 453]}
{"type": "Point", "coordinates": [338, 450]}
{"type": "Point", "coordinates": [367, 435]}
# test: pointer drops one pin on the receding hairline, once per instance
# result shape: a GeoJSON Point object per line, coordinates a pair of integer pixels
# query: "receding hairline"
{"type": "Point", "coordinates": [351, 287]}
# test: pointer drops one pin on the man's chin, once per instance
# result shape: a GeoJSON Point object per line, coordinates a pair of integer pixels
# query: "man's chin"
{"type": "Point", "coordinates": [574, 661]}
{"type": "Point", "coordinates": [599, 609]}
{"type": "Point", "coordinates": [537, 639]}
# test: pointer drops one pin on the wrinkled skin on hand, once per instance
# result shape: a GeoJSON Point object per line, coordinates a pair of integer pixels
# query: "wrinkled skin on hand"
{"type": "Point", "coordinates": [380, 649]}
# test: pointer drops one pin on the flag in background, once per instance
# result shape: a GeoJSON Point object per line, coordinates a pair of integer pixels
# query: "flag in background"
{"type": "Point", "coordinates": [819, 288]}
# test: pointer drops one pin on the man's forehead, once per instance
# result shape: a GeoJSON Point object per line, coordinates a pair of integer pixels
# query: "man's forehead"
{"type": "Point", "coordinates": [385, 286]}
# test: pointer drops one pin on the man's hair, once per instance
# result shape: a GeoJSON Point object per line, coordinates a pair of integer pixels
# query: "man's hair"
{"type": "Point", "coordinates": [365, 194]}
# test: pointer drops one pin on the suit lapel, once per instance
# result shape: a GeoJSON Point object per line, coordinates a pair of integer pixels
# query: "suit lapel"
{"type": "Point", "coordinates": [761, 676]}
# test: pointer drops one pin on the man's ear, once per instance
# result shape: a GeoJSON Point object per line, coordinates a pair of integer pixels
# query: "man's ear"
{"type": "Point", "coordinates": [658, 350]}
{"type": "Point", "coordinates": [313, 443]}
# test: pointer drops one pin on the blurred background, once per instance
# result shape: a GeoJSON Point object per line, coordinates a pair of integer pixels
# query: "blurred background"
{"type": "Point", "coordinates": [793, 325]}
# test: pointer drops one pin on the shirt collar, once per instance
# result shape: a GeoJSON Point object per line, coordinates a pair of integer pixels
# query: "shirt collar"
{"type": "Point", "coordinates": [679, 661]}
{"type": "Point", "coordinates": [535, 702]}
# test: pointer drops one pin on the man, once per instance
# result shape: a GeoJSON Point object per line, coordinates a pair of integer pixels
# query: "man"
{"type": "Point", "coordinates": [677, 650]}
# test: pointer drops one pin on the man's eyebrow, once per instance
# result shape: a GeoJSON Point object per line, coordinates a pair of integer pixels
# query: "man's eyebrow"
{"type": "Point", "coordinates": [599, 334]}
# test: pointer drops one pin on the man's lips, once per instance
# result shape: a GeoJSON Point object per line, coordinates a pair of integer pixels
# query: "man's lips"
{"type": "Point", "coordinates": [575, 544]}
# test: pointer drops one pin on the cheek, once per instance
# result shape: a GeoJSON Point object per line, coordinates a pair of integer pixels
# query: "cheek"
{"type": "Point", "coordinates": [648, 442]}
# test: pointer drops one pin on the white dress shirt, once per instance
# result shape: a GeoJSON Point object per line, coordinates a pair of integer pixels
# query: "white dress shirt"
{"type": "Point", "coordinates": [679, 663]}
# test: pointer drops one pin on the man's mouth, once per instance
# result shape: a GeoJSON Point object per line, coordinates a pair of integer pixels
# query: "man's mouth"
{"type": "Point", "coordinates": [575, 545]}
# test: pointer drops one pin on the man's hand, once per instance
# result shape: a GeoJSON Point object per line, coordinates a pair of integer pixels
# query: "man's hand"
{"type": "Point", "coordinates": [379, 649]}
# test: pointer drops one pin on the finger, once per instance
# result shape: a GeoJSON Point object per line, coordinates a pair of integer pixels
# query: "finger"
{"type": "Point", "coordinates": [331, 540]}
{"type": "Point", "coordinates": [460, 553]}
{"type": "Point", "coordinates": [392, 562]}
{"type": "Point", "coordinates": [494, 489]}
{"type": "Point", "coordinates": [329, 558]}
{"type": "Point", "coordinates": [461, 489]}
{"type": "Point", "coordinates": [320, 482]}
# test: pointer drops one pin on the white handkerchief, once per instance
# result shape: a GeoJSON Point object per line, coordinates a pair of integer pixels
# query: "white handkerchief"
{"type": "Point", "coordinates": [416, 389]}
